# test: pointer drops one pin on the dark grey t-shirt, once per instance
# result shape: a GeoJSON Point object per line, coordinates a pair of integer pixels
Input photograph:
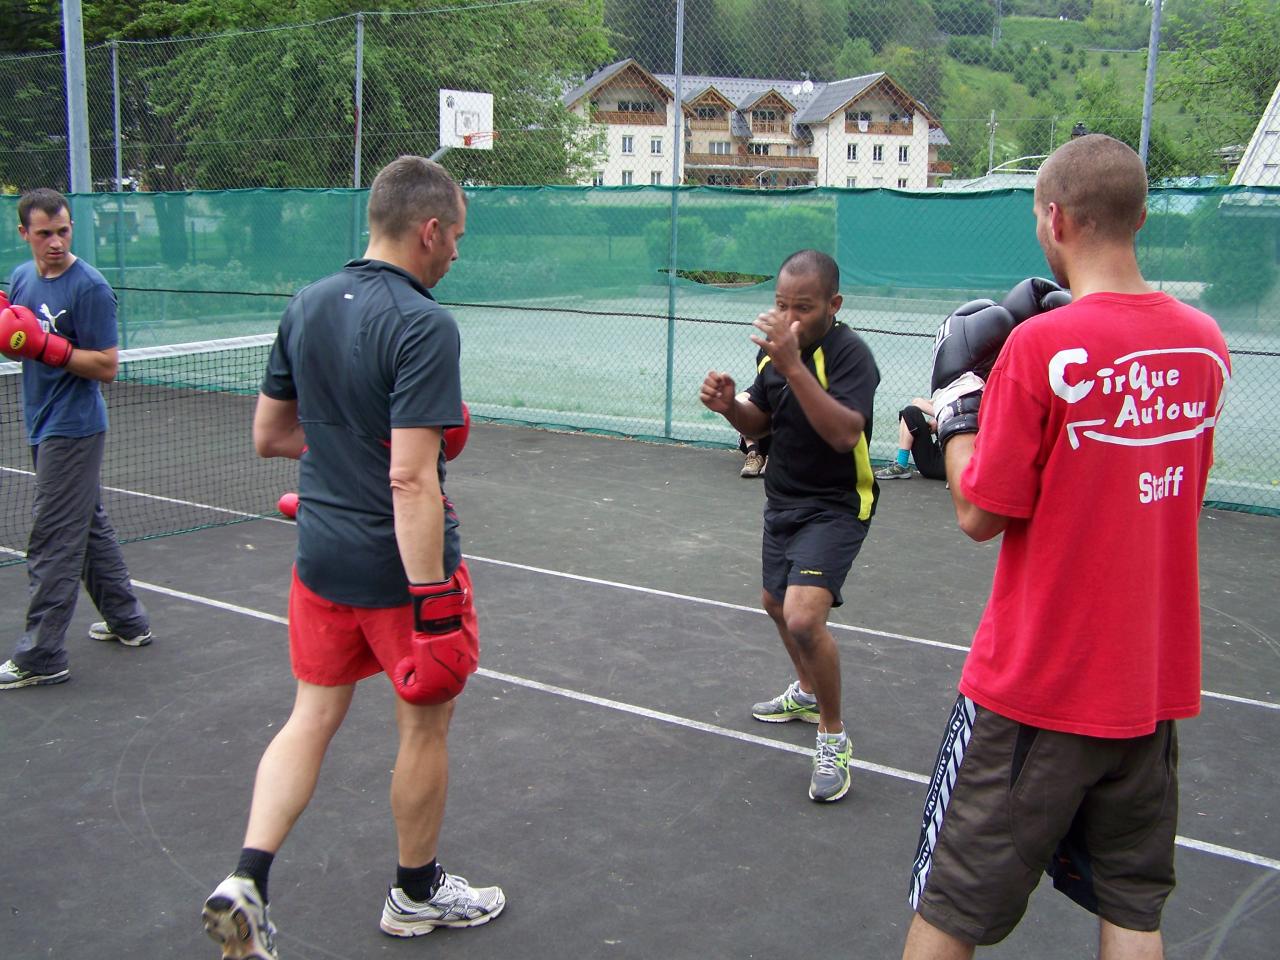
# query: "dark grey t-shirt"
{"type": "Point", "coordinates": [362, 351]}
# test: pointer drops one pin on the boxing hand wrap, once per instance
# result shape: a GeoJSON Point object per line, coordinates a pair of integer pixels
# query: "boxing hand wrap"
{"type": "Point", "coordinates": [956, 406]}
{"type": "Point", "coordinates": [22, 335]}
{"type": "Point", "coordinates": [441, 660]}
{"type": "Point", "coordinates": [455, 438]}
{"type": "Point", "coordinates": [1033, 296]}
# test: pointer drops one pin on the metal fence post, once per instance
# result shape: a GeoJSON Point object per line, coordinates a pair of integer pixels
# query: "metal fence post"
{"type": "Point", "coordinates": [115, 104]}
{"type": "Point", "coordinates": [675, 206]}
{"type": "Point", "coordinates": [77, 102]}
{"type": "Point", "coordinates": [1148, 94]}
{"type": "Point", "coordinates": [359, 105]}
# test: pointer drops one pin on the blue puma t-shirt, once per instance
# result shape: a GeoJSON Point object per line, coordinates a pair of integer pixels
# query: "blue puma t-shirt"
{"type": "Point", "coordinates": [77, 304]}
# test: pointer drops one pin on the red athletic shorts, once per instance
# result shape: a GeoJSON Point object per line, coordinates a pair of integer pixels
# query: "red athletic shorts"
{"type": "Point", "coordinates": [334, 644]}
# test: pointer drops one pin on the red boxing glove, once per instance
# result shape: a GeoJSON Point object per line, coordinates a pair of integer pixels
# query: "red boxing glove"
{"type": "Point", "coordinates": [455, 438]}
{"type": "Point", "coordinates": [21, 334]}
{"type": "Point", "coordinates": [442, 658]}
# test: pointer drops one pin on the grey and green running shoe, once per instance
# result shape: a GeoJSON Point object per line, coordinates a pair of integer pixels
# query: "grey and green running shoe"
{"type": "Point", "coordinates": [786, 706]}
{"type": "Point", "coordinates": [830, 780]}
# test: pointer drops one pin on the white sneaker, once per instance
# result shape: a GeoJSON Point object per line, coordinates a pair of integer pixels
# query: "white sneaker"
{"type": "Point", "coordinates": [100, 631]}
{"type": "Point", "coordinates": [235, 916]}
{"type": "Point", "coordinates": [456, 904]}
{"type": "Point", "coordinates": [895, 471]}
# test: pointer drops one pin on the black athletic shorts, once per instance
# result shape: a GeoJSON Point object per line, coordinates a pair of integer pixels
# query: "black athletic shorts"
{"type": "Point", "coordinates": [809, 546]}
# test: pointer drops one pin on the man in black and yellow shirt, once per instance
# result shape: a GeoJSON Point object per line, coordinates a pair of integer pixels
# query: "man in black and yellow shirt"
{"type": "Point", "coordinates": [813, 392]}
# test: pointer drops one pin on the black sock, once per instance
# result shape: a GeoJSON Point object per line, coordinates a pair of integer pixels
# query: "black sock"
{"type": "Point", "coordinates": [419, 883]}
{"type": "Point", "coordinates": [255, 864]}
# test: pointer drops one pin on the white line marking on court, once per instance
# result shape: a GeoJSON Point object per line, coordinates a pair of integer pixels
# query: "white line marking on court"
{"type": "Point", "coordinates": [1231, 698]}
{"type": "Point", "coordinates": [155, 496]}
{"type": "Point", "coordinates": [1229, 853]}
{"type": "Point", "coordinates": [1248, 701]}
{"type": "Point", "coordinates": [710, 603]}
{"type": "Point", "coordinates": [676, 721]}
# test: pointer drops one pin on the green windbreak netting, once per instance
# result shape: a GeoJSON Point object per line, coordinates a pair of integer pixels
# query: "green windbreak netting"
{"type": "Point", "coordinates": [574, 313]}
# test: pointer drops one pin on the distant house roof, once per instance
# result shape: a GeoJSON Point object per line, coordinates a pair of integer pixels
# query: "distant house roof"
{"type": "Point", "coordinates": [1260, 164]}
{"type": "Point", "coordinates": [608, 73]}
{"type": "Point", "coordinates": [814, 101]}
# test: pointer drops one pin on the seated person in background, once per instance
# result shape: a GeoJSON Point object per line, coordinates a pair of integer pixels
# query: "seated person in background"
{"type": "Point", "coordinates": [916, 441]}
{"type": "Point", "coordinates": [757, 451]}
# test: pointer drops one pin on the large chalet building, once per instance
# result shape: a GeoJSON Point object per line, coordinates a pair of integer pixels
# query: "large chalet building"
{"type": "Point", "coordinates": [860, 132]}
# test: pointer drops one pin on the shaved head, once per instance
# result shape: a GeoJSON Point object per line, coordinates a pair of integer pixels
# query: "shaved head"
{"type": "Point", "coordinates": [817, 263]}
{"type": "Point", "coordinates": [1097, 181]}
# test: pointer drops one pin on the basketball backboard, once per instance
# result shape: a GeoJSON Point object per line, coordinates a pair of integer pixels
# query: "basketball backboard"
{"type": "Point", "coordinates": [466, 119]}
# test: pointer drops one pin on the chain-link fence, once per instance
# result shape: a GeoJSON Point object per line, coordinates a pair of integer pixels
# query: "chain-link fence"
{"type": "Point", "coordinates": [902, 136]}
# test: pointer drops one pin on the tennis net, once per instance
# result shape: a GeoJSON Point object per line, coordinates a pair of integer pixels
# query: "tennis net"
{"type": "Point", "coordinates": [179, 453]}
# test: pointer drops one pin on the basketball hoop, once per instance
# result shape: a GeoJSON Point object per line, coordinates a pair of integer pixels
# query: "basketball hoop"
{"type": "Point", "coordinates": [480, 140]}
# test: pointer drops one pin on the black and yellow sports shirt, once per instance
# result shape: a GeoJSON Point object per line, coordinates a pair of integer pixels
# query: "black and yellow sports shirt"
{"type": "Point", "coordinates": [803, 468]}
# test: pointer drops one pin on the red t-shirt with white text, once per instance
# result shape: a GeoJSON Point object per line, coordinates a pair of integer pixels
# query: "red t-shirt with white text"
{"type": "Point", "coordinates": [1096, 436]}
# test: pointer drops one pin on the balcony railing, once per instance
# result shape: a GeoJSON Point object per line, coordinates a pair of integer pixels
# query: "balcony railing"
{"type": "Point", "coordinates": [901, 128]}
{"type": "Point", "coordinates": [701, 123]}
{"type": "Point", "coordinates": [749, 161]}
{"type": "Point", "coordinates": [770, 126]}
{"type": "Point", "coordinates": [636, 118]}
{"type": "Point", "coordinates": [940, 167]}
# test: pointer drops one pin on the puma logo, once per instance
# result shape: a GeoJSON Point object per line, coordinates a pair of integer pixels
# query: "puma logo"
{"type": "Point", "coordinates": [51, 317]}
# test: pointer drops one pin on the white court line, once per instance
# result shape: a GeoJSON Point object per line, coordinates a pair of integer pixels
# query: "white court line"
{"type": "Point", "coordinates": [155, 496]}
{"type": "Point", "coordinates": [1229, 853]}
{"type": "Point", "coordinates": [959, 648]}
{"type": "Point", "coordinates": [1231, 698]}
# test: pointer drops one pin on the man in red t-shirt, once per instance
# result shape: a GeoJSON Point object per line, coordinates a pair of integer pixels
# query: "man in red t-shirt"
{"type": "Point", "coordinates": [1087, 444]}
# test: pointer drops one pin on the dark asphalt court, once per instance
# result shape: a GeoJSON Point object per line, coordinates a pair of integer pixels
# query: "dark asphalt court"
{"type": "Point", "coordinates": [606, 770]}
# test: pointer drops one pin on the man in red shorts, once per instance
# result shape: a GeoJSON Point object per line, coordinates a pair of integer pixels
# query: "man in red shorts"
{"type": "Point", "coordinates": [1087, 445]}
{"type": "Point", "coordinates": [362, 380]}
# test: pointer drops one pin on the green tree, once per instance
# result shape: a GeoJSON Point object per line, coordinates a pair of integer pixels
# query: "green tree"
{"type": "Point", "coordinates": [275, 108]}
{"type": "Point", "coordinates": [855, 59]}
{"type": "Point", "coordinates": [1104, 109]}
{"type": "Point", "coordinates": [1224, 71]}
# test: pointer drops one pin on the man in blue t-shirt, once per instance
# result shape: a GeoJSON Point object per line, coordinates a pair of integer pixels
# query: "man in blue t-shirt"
{"type": "Point", "coordinates": [813, 397]}
{"type": "Point", "coordinates": [362, 381]}
{"type": "Point", "coordinates": [61, 323]}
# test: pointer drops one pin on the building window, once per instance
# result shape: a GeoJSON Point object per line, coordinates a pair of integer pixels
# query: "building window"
{"type": "Point", "coordinates": [721, 148]}
{"type": "Point", "coordinates": [655, 178]}
{"type": "Point", "coordinates": [710, 113]}
{"type": "Point", "coordinates": [628, 144]}
{"type": "Point", "coordinates": [851, 151]}
{"type": "Point", "coordinates": [794, 182]}
{"type": "Point", "coordinates": [636, 106]}
{"type": "Point", "coordinates": [597, 178]}
{"type": "Point", "coordinates": [655, 146]}
{"type": "Point", "coordinates": [902, 183]}
{"type": "Point", "coordinates": [758, 149]}
{"type": "Point", "coordinates": [628, 178]}
{"type": "Point", "coordinates": [902, 154]}
{"type": "Point", "coordinates": [877, 152]}
{"type": "Point", "coordinates": [850, 181]}
{"type": "Point", "coordinates": [795, 151]}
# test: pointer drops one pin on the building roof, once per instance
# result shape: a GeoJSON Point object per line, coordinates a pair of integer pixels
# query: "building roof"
{"type": "Point", "coordinates": [815, 101]}
{"type": "Point", "coordinates": [1260, 164]}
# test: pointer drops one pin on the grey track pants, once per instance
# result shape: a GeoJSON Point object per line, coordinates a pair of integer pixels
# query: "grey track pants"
{"type": "Point", "coordinates": [72, 540]}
